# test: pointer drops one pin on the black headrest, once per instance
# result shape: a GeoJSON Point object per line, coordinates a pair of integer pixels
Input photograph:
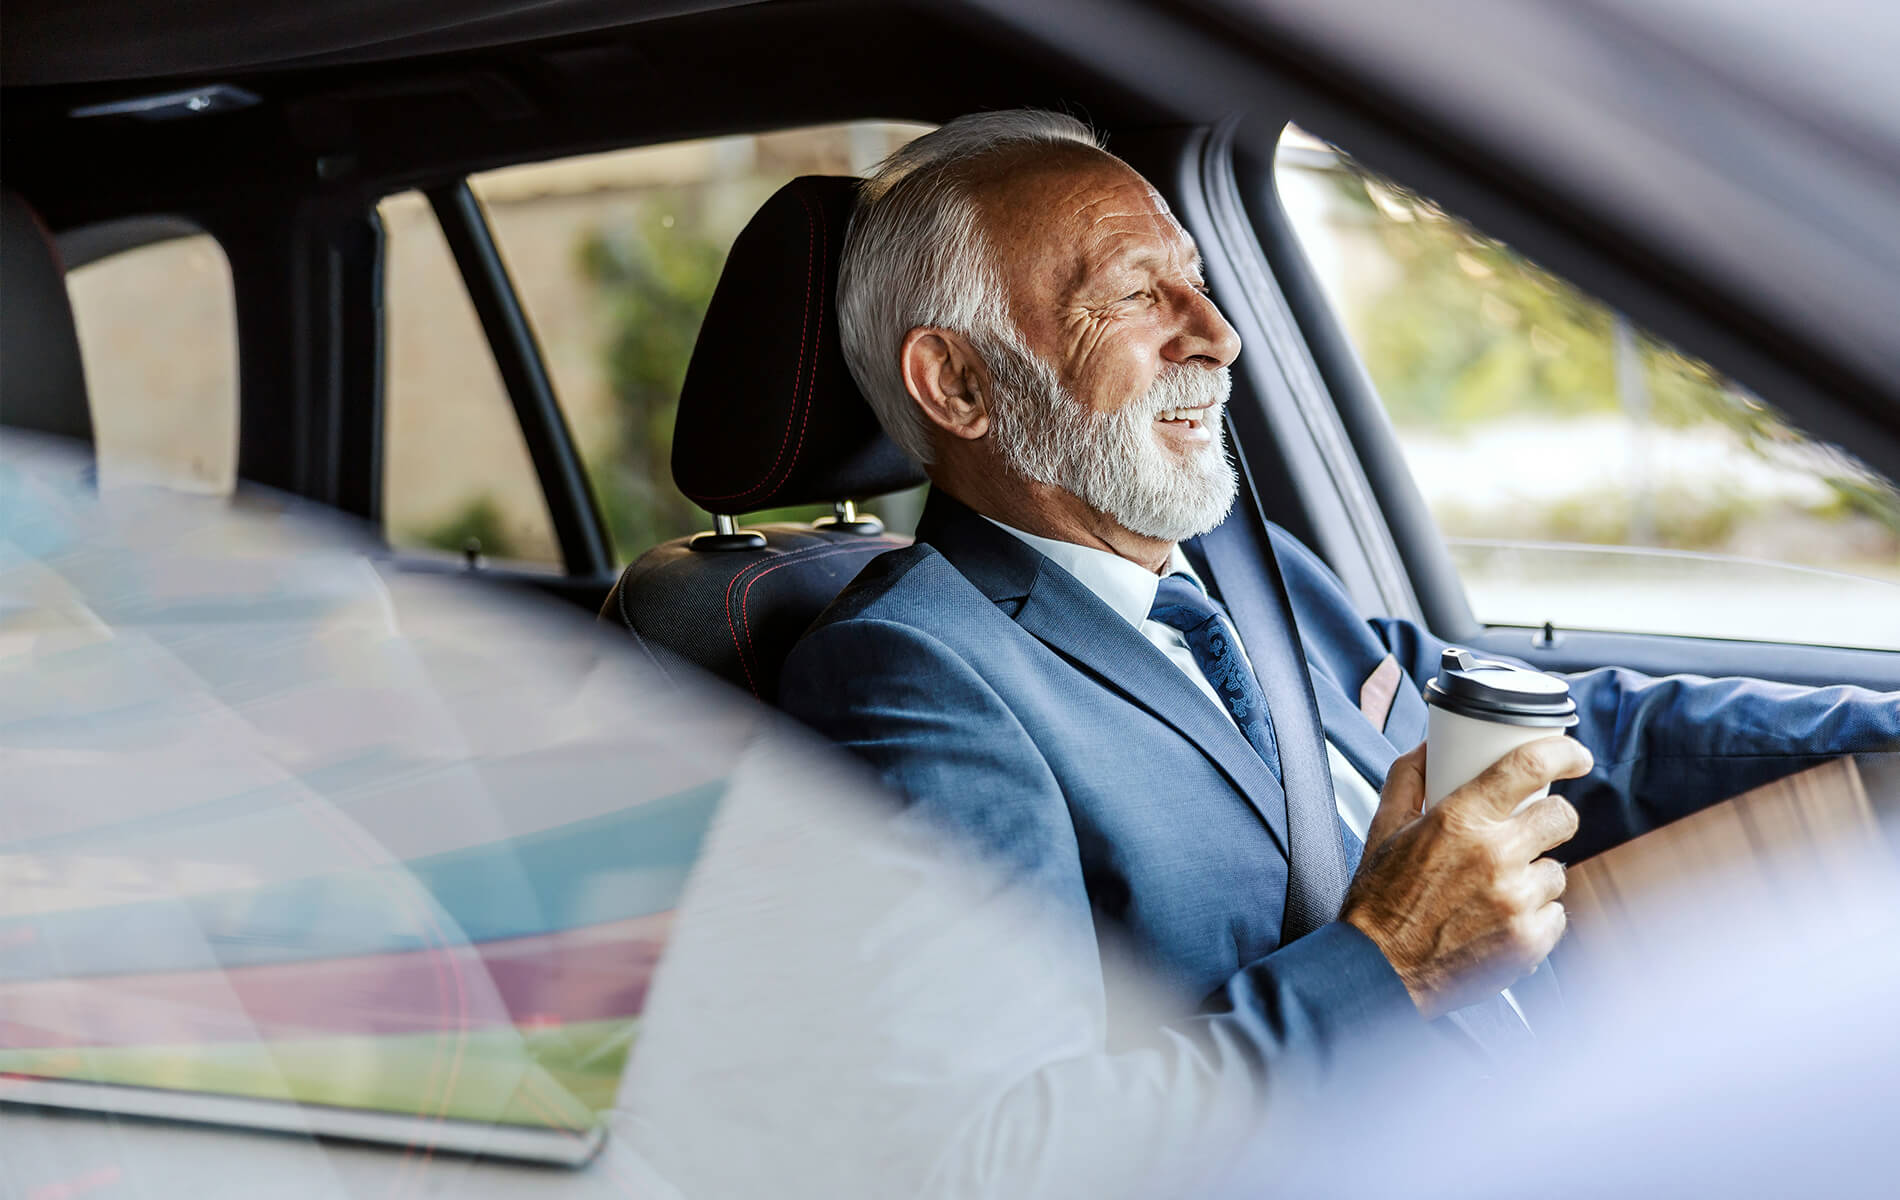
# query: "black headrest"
{"type": "Point", "coordinates": [769, 414]}
{"type": "Point", "coordinates": [42, 384]}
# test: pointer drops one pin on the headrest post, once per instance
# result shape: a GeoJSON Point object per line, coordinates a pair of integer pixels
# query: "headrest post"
{"type": "Point", "coordinates": [845, 518]}
{"type": "Point", "coordinates": [727, 535]}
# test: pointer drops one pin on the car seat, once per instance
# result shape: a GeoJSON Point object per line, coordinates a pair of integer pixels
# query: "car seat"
{"type": "Point", "coordinates": [42, 381]}
{"type": "Point", "coordinates": [768, 417]}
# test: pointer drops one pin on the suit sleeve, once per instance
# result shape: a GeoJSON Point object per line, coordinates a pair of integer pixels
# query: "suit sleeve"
{"type": "Point", "coordinates": [1668, 746]}
{"type": "Point", "coordinates": [939, 736]}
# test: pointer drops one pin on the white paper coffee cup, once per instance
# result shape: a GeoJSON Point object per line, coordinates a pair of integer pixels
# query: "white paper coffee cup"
{"type": "Point", "coordinates": [1479, 710]}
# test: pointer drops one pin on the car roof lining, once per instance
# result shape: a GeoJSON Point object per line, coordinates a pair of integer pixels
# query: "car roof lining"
{"type": "Point", "coordinates": [94, 41]}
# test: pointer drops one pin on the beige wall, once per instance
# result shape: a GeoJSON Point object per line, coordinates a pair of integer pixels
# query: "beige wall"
{"type": "Point", "coordinates": [158, 339]}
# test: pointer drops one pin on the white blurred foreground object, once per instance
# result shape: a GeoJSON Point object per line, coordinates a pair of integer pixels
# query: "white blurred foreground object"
{"type": "Point", "coordinates": [868, 1013]}
{"type": "Point", "coordinates": [1733, 978]}
{"type": "Point", "coordinates": [317, 845]}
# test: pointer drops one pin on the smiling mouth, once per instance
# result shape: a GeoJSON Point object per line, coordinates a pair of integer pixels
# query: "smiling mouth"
{"type": "Point", "coordinates": [1185, 418]}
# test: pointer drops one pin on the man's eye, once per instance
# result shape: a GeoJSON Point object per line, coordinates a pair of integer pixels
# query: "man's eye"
{"type": "Point", "coordinates": [1132, 296]}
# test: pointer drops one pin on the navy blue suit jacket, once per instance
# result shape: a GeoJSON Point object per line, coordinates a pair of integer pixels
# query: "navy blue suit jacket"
{"type": "Point", "coordinates": [1003, 698]}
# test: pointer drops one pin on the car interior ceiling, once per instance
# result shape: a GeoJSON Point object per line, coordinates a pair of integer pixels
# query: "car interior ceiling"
{"type": "Point", "coordinates": [302, 167]}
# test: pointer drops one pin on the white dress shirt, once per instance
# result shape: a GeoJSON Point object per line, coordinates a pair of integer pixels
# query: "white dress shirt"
{"type": "Point", "coordinates": [1129, 588]}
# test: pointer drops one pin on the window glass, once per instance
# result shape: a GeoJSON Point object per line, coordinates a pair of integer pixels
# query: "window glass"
{"type": "Point", "coordinates": [615, 257]}
{"type": "Point", "coordinates": [158, 338]}
{"type": "Point", "coordinates": [1583, 472]}
{"type": "Point", "coordinates": [456, 471]}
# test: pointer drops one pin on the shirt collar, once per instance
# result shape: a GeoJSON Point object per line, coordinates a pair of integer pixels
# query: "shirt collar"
{"type": "Point", "coordinates": [1127, 587]}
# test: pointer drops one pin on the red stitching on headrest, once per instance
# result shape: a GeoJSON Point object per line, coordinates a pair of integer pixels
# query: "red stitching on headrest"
{"type": "Point", "coordinates": [814, 231]}
{"type": "Point", "coordinates": [811, 384]}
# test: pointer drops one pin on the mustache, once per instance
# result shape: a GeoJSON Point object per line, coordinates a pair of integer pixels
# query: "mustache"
{"type": "Point", "coordinates": [1183, 386]}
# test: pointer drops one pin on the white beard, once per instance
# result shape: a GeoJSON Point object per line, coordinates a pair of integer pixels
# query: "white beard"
{"type": "Point", "coordinates": [1112, 462]}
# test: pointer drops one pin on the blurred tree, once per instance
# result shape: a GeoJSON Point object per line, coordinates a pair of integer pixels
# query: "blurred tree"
{"type": "Point", "coordinates": [1468, 331]}
{"type": "Point", "coordinates": [1471, 331]}
{"type": "Point", "coordinates": [480, 521]}
{"type": "Point", "coordinates": [655, 276]}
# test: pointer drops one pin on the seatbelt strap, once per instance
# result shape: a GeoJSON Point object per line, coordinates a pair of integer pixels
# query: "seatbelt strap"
{"type": "Point", "coordinates": [1247, 575]}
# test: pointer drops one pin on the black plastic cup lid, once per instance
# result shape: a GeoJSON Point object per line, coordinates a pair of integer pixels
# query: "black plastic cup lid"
{"type": "Point", "coordinates": [1487, 690]}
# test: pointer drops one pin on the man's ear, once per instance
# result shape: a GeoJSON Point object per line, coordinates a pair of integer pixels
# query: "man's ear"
{"type": "Point", "coordinates": [945, 376]}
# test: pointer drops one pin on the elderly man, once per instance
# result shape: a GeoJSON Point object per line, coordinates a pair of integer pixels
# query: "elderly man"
{"type": "Point", "coordinates": [1046, 672]}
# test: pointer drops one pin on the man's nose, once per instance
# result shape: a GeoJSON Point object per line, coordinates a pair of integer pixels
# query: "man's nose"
{"type": "Point", "coordinates": [1203, 335]}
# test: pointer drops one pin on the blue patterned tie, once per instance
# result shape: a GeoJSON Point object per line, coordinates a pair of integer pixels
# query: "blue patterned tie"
{"type": "Point", "coordinates": [1181, 604]}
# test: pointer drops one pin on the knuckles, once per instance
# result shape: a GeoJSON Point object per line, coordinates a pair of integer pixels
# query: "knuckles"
{"type": "Point", "coordinates": [1566, 818]}
{"type": "Point", "coordinates": [1534, 758]}
{"type": "Point", "coordinates": [1527, 945]}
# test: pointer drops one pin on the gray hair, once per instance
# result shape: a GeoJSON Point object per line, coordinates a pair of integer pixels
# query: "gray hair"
{"type": "Point", "coordinates": [915, 255]}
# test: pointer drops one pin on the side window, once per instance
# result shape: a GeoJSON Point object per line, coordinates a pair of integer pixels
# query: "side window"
{"type": "Point", "coordinates": [456, 471]}
{"type": "Point", "coordinates": [158, 337]}
{"type": "Point", "coordinates": [1583, 472]}
{"type": "Point", "coordinates": [615, 257]}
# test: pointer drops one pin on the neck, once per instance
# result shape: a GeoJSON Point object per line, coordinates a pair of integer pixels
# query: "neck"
{"type": "Point", "coordinates": [1052, 513]}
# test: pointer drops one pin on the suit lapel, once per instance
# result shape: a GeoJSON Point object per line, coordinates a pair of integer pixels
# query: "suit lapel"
{"type": "Point", "coordinates": [1052, 606]}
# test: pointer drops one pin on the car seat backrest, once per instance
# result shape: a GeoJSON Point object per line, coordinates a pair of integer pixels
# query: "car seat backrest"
{"type": "Point", "coordinates": [769, 416]}
{"type": "Point", "coordinates": [42, 382]}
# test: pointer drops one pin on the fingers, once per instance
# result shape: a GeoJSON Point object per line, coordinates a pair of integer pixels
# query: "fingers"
{"type": "Point", "coordinates": [1505, 783]}
{"type": "Point", "coordinates": [1543, 826]}
{"type": "Point", "coordinates": [1543, 930]}
{"type": "Point", "coordinates": [1402, 798]}
{"type": "Point", "coordinates": [1545, 882]}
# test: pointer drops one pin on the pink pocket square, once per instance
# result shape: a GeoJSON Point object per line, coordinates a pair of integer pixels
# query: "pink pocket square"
{"type": "Point", "coordinates": [1379, 690]}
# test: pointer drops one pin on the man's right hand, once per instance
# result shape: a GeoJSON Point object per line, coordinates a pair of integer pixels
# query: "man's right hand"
{"type": "Point", "coordinates": [1459, 899]}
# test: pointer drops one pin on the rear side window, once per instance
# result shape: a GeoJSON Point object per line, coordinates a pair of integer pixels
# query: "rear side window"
{"type": "Point", "coordinates": [158, 337]}
{"type": "Point", "coordinates": [614, 257]}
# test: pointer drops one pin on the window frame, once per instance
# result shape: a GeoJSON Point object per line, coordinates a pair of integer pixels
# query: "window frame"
{"type": "Point", "coordinates": [579, 529]}
{"type": "Point", "coordinates": [586, 567]}
{"type": "Point", "coordinates": [589, 565]}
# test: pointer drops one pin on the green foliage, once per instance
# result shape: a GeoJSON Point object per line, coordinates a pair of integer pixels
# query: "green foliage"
{"type": "Point", "coordinates": [479, 520]}
{"type": "Point", "coordinates": [1468, 331]}
{"type": "Point", "coordinates": [655, 276]}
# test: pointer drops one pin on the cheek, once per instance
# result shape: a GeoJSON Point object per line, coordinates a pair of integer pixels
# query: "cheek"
{"type": "Point", "coordinates": [1114, 373]}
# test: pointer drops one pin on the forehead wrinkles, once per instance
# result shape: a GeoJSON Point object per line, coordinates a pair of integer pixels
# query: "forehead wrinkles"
{"type": "Point", "coordinates": [1057, 223]}
{"type": "Point", "coordinates": [1131, 213]}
